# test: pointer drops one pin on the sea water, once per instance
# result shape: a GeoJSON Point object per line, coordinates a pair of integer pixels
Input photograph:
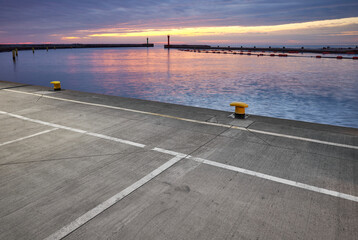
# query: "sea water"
{"type": "Point", "coordinates": [299, 88]}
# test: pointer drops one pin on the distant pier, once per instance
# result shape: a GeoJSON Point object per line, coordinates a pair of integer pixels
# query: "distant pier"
{"type": "Point", "coordinates": [10, 47]}
{"type": "Point", "coordinates": [188, 46]}
{"type": "Point", "coordinates": [324, 50]}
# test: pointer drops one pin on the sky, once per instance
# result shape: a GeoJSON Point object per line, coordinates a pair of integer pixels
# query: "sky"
{"type": "Point", "coordinates": [213, 22]}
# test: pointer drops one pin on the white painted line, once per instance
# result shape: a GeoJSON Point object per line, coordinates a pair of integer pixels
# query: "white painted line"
{"type": "Point", "coordinates": [212, 163]}
{"type": "Point", "coordinates": [111, 201]}
{"type": "Point", "coordinates": [74, 129]}
{"type": "Point", "coordinates": [119, 108]}
{"type": "Point", "coordinates": [30, 136]}
{"type": "Point", "coordinates": [304, 139]}
{"type": "Point", "coordinates": [277, 179]}
{"type": "Point", "coordinates": [262, 175]}
{"type": "Point", "coordinates": [178, 156]}
{"type": "Point", "coordinates": [170, 152]}
{"type": "Point", "coordinates": [45, 92]}
{"type": "Point", "coordinates": [116, 139]}
{"type": "Point", "coordinates": [191, 120]}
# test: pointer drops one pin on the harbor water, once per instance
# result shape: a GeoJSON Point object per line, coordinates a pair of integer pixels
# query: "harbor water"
{"type": "Point", "coordinates": [299, 88]}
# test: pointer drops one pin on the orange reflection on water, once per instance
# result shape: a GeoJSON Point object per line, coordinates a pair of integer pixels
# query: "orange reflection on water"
{"type": "Point", "coordinates": [155, 72]}
{"type": "Point", "coordinates": [208, 80]}
{"type": "Point", "coordinates": [171, 74]}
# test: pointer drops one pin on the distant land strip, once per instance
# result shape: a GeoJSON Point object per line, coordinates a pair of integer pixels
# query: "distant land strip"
{"type": "Point", "coordinates": [10, 47]}
{"type": "Point", "coordinates": [324, 50]}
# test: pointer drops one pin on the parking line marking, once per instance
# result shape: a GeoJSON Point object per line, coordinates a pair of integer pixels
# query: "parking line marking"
{"type": "Point", "coordinates": [262, 175]}
{"type": "Point", "coordinates": [277, 179]}
{"type": "Point", "coordinates": [305, 139]}
{"type": "Point", "coordinates": [177, 157]}
{"type": "Point", "coordinates": [170, 152]}
{"type": "Point", "coordinates": [205, 161]}
{"type": "Point", "coordinates": [30, 136]}
{"type": "Point", "coordinates": [111, 201]}
{"type": "Point", "coordinates": [74, 130]}
{"type": "Point", "coordinates": [119, 108]}
{"type": "Point", "coordinates": [191, 120]}
{"type": "Point", "coordinates": [115, 139]}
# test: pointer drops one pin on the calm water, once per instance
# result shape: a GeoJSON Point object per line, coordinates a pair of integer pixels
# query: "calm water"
{"type": "Point", "coordinates": [307, 89]}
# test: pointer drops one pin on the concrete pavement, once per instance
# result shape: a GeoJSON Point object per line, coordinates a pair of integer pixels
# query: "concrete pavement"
{"type": "Point", "coordinates": [77, 165]}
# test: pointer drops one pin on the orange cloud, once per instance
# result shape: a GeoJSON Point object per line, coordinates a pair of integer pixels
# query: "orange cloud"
{"type": "Point", "coordinates": [17, 43]}
{"type": "Point", "coordinates": [226, 30]}
{"type": "Point", "coordinates": [69, 38]}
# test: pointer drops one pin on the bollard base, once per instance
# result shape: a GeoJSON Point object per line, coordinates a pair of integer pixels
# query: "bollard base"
{"type": "Point", "coordinates": [239, 116]}
{"type": "Point", "coordinates": [57, 89]}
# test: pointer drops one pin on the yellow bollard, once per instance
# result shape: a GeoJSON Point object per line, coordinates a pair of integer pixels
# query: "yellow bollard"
{"type": "Point", "coordinates": [13, 54]}
{"type": "Point", "coordinates": [17, 54]}
{"type": "Point", "coordinates": [239, 109]}
{"type": "Point", "coordinates": [33, 50]}
{"type": "Point", "coordinates": [56, 85]}
{"type": "Point", "coordinates": [47, 49]}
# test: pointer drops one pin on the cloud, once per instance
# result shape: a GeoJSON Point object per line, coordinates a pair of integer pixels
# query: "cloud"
{"type": "Point", "coordinates": [346, 33]}
{"type": "Point", "coordinates": [227, 30]}
{"type": "Point", "coordinates": [44, 18]}
{"type": "Point", "coordinates": [69, 38]}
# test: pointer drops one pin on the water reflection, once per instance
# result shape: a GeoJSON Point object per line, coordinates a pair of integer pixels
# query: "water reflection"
{"type": "Point", "coordinates": [294, 88]}
{"type": "Point", "coordinates": [14, 64]}
{"type": "Point", "coordinates": [168, 63]}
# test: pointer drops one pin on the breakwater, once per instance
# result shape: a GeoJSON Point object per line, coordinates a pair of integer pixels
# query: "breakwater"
{"type": "Point", "coordinates": [270, 54]}
{"type": "Point", "coordinates": [10, 47]}
{"type": "Point", "coordinates": [188, 46]}
{"type": "Point", "coordinates": [324, 50]}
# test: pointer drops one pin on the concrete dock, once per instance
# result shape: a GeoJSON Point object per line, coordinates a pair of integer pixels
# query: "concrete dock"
{"type": "Point", "coordinates": [77, 165]}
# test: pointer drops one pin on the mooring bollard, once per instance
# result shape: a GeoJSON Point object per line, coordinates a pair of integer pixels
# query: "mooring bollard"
{"type": "Point", "coordinates": [239, 109]}
{"type": "Point", "coordinates": [56, 85]}
{"type": "Point", "coordinates": [33, 50]}
{"type": "Point", "coordinates": [17, 54]}
{"type": "Point", "coordinates": [13, 54]}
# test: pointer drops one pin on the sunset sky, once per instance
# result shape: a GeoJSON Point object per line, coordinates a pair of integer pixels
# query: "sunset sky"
{"type": "Point", "coordinates": [243, 22]}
